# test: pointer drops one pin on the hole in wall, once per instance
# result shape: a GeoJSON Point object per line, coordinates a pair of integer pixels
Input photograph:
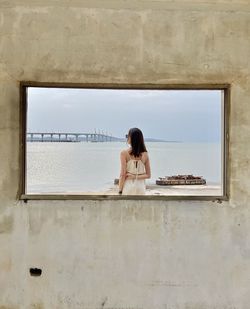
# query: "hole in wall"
{"type": "Point", "coordinates": [35, 272]}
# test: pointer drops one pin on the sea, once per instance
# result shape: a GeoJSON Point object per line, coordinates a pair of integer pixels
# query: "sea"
{"type": "Point", "coordinates": [78, 167]}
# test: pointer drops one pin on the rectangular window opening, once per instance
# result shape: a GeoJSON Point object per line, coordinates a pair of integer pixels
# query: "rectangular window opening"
{"type": "Point", "coordinates": [72, 136]}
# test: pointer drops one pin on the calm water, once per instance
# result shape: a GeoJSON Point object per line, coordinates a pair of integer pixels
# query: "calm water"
{"type": "Point", "coordinates": [82, 167]}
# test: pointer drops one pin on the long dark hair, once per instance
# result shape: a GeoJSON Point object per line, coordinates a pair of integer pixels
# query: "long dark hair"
{"type": "Point", "coordinates": [137, 142]}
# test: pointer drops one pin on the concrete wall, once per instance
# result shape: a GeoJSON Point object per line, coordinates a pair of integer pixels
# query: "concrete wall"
{"type": "Point", "coordinates": [112, 254]}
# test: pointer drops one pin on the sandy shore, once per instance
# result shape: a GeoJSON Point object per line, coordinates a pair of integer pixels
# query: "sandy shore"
{"type": "Point", "coordinates": [177, 190]}
{"type": "Point", "coordinates": [152, 189]}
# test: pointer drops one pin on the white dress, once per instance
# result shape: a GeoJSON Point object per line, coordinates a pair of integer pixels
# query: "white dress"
{"type": "Point", "coordinates": [135, 186]}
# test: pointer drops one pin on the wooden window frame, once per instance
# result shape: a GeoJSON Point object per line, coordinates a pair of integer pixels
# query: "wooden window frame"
{"type": "Point", "coordinates": [21, 195]}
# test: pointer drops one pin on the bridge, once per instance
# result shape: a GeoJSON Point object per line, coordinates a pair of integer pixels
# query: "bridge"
{"type": "Point", "coordinates": [69, 137]}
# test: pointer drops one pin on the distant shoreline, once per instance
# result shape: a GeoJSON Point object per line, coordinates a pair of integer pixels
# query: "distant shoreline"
{"type": "Point", "coordinates": [120, 141]}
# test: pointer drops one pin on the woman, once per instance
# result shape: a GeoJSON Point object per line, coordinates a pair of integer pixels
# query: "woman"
{"type": "Point", "coordinates": [135, 165]}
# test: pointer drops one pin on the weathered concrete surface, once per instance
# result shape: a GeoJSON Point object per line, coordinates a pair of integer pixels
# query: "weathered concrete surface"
{"type": "Point", "coordinates": [100, 254]}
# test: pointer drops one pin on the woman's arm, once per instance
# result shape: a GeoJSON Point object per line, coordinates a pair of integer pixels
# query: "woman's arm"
{"type": "Point", "coordinates": [122, 170]}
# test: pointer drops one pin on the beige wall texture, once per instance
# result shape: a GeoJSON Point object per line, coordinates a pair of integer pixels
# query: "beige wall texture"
{"type": "Point", "coordinates": [125, 254]}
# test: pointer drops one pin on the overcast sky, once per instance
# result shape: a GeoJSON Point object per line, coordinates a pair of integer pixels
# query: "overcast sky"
{"type": "Point", "coordinates": [180, 115]}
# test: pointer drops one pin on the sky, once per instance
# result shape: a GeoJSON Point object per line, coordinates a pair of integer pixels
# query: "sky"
{"type": "Point", "coordinates": [172, 115]}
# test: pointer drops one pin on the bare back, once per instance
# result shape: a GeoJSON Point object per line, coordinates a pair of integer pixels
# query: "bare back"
{"type": "Point", "coordinates": [143, 156]}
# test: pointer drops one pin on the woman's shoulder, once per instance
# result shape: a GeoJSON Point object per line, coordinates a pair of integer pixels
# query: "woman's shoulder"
{"type": "Point", "coordinates": [145, 155]}
{"type": "Point", "coordinates": [125, 153]}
